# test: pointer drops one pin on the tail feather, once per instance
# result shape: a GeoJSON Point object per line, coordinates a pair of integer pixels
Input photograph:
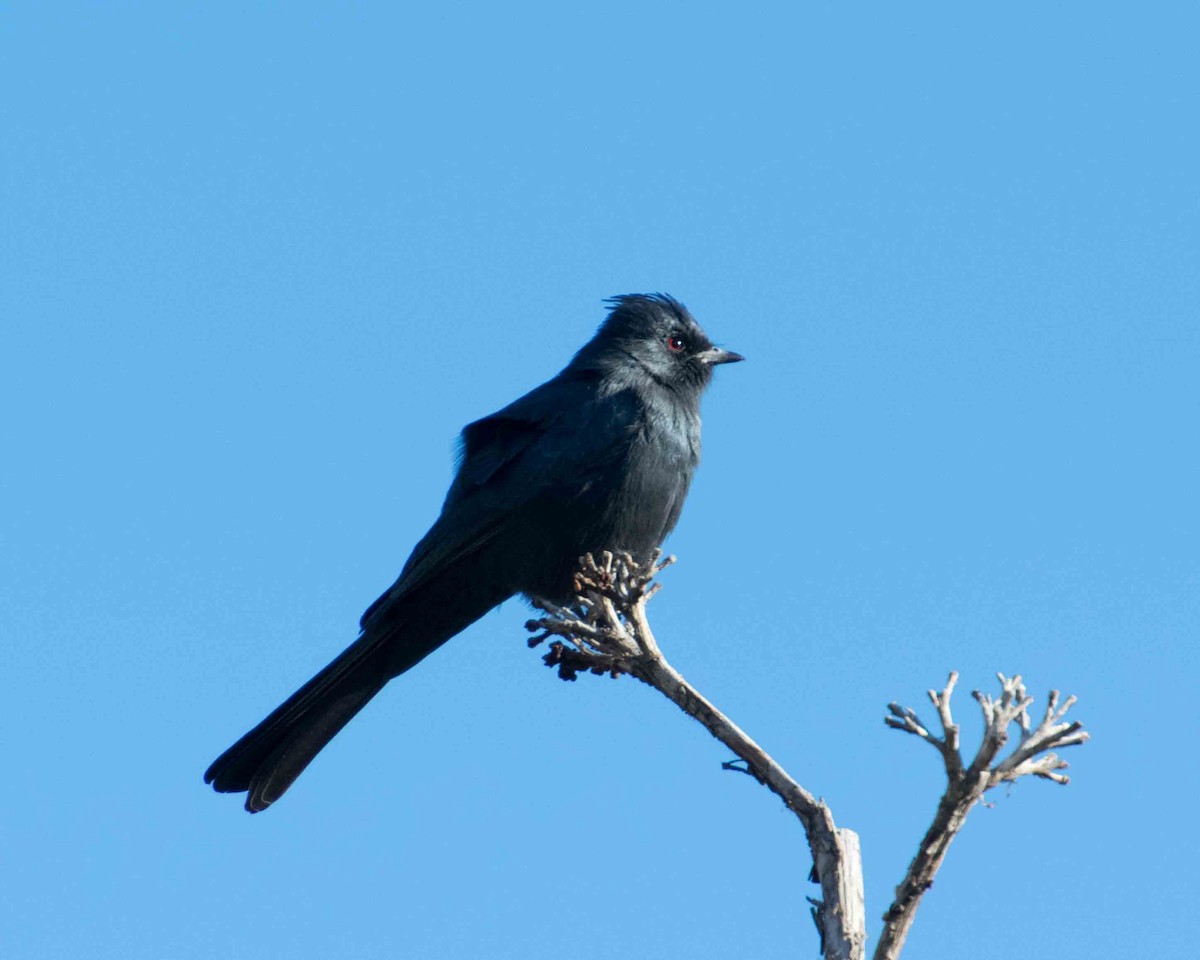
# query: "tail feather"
{"type": "Point", "coordinates": [268, 759]}
{"type": "Point", "coordinates": [288, 760]}
{"type": "Point", "coordinates": [398, 635]}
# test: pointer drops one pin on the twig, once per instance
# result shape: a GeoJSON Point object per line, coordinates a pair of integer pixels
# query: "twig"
{"type": "Point", "coordinates": [733, 765]}
{"type": "Point", "coordinates": [967, 784]}
{"type": "Point", "coordinates": [607, 632]}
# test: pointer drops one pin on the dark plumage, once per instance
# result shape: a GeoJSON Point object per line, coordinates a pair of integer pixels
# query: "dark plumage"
{"type": "Point", "coordinates": [598, 458]}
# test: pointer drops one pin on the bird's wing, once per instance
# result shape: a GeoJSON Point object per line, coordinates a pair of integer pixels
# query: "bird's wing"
{"type": "Point", "coordinates": [681, 492]}
{"type": "Point", "coordinates": [506, 464]}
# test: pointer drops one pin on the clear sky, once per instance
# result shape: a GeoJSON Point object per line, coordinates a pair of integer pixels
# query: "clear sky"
{"type": "Point", "coordinates": [260, 263]}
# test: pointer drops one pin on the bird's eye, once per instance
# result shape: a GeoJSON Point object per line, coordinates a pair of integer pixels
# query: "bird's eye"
{"type": "Point", "coordinates": [675, 344]}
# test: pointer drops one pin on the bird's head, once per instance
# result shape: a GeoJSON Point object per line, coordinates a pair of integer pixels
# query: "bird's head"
{"type": "Point", "coordinates": [654, 334]}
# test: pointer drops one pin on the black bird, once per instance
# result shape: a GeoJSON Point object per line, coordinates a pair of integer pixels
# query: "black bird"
{"type": "Point", "coordinates": [599, 458]}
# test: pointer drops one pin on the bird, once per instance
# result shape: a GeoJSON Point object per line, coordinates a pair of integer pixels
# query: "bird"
{"type": "Point", "coordinates": [600, 457]}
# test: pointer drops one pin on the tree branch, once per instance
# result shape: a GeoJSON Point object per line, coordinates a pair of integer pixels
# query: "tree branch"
{"type": "Point", "coordinates": [966, 785]}
{"type": "Point", "coordinates": [607, 633]}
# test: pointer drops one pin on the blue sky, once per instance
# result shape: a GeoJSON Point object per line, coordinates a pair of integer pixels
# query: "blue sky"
{"type": "Point", "coordinates": [259, 264]}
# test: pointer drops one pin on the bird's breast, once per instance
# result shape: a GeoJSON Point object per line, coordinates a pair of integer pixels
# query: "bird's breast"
{"type": "Point", "coordinates": [627, 500]}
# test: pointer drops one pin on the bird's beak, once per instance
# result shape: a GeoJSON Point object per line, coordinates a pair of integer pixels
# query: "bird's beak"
{"type": "Point", "coordinates": [714, 355]}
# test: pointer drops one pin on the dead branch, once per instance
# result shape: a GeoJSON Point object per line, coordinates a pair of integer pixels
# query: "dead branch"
{"type": "Point", "coordinates": [966, 784]}
{"type": "Point", "coordinates": [606, 632]}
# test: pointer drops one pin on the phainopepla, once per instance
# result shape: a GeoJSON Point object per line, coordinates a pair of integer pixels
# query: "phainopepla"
{"type": "Point", "coordinates": [598, 458]}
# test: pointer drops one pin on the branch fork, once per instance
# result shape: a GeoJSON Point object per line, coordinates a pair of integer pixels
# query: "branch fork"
{"type": "Point", "coordinates": [1031, 756]}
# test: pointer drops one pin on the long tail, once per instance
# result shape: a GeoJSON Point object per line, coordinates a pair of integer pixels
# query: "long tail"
{"type": "Point", "coordinates": [399, 631]}
{"type": "Point", "coordinates": [268, 759]}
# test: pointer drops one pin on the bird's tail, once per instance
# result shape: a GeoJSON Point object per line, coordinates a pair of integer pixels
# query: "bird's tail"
{"type": "Point", "coordinates": [268, 759]}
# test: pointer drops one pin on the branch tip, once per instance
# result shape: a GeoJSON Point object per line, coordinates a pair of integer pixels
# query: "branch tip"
{"type": "Point", "coordinates": [966, 784]}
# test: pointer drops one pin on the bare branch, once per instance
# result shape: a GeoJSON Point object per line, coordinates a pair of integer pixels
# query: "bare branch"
{"type": "Point", "coordinates": [607, 632]}
{"type": "Point", "coordinates": [906, 719]}
{"type": "Point", "coordinates": [967, 784]}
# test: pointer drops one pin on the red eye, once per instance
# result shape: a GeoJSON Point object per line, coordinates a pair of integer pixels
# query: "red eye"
{"type": "Point", "coordinates": [675, 344]}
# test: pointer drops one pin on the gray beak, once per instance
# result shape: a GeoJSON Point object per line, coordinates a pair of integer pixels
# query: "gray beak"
{"type": "Point", "coordinates": [714, 355]}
